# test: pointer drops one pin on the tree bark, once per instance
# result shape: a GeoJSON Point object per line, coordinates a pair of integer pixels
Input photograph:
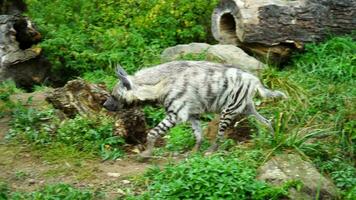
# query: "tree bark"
{"type": "Point", "coordinates": [276, 26]}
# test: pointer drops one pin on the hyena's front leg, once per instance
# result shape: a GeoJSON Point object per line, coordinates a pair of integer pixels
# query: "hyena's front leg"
{"type": "Point", "coordinates": [197, 133]}
{"type": "Point", "coordinates": [160, 130]}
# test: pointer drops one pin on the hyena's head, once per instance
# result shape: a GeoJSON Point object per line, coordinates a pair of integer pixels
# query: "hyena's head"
{"type": "Point", "coordinates": [120, 96]}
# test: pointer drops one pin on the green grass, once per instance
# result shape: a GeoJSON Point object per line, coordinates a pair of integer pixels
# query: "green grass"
{"type": "Point", "coordinates": [92, 135]}
{"type": "Point", "coordinates": [318, 119]}
{"type": "Point", "coordinates": [103, 77]}
{"type": "Point", "coordinates": [98, 34]}
{"type": "Point", "coordinates": [215, 177]}
{"type": "Point", "coordinates": [56, 191]}
{"type": "Point", "coordinates": [7, 88]}
{"type": "Point", "coordinates": [333, 60]}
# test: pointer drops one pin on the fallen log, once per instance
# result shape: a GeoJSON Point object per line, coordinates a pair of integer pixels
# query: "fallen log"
{"type": "Point", "coordinates": [270, 28]}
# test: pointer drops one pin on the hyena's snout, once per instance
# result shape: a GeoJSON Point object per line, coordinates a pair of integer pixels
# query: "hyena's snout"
{"type": "Point", "coordinates": [111, 104]}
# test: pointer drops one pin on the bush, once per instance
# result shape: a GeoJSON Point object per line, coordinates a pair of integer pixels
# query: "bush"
{"type": "Point", "coordinates": [57, 191]}
{"type": "Point", "coordinates": [216, 177]}
{"type": "Point", "coordinates": [32, 125]}
{"type": "Point", "coordinates": [93, 135]}
{"type": "Point", "coordinates": [84, 35]}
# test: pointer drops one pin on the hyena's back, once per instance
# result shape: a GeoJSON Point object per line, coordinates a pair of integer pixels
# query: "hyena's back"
{"type": "Point", "coordinates": [209, 89]}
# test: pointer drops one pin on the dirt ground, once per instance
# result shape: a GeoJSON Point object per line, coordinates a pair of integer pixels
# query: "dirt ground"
{"type": "Point", "coordinates": [25, 170]}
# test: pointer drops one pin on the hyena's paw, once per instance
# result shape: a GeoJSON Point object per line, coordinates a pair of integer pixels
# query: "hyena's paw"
{"type": "Point", "coordinates": [213, 148]}
{"type": "Point", "coordinates": [279, 94]}
{"type": "Point", "coordinates": [144, 156]}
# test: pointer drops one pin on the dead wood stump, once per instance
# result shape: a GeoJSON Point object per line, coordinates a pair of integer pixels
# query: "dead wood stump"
{"type": "Point", "coordinates": [19, 59]}
{"type": "Point", "coordinates": [78, 97]}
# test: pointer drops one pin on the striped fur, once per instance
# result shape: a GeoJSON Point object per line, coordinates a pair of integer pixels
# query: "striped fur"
{"type": "Point", "coordinates": [188, 89]}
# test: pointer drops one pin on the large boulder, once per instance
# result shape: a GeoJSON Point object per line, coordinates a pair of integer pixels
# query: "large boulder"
{"type": "Point", "coordinates": [287, 167]}
{"type": "Point", "coordinates": [78, 97]}
{"type": "Point", "coordinates": [227, 54]}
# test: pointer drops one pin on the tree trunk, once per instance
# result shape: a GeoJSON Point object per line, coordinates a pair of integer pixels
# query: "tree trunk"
{"type": "Point", "coordinates": [274, 27]}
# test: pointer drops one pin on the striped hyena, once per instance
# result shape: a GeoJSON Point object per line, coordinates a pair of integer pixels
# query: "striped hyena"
{"type": "Point", "coordinates": [188, 89]}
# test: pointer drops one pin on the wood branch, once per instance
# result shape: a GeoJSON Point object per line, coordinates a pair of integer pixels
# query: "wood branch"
{"type": "Point", "coordinates": [281, 24]}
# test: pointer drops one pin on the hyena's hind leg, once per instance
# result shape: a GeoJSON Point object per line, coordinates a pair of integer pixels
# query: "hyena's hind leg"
{"type": "Point", "coordinates": [225, 121]}
{"type": "Point", "coordinates": [160, 130]}
{"type": "Point", "coordinates": [196, 126]}
{"type": "Point", "coordinates": [251, 110]}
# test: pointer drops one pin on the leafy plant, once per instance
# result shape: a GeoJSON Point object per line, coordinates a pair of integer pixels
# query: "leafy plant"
{"type": "Point", "coordinates": [350, 194]}
{"type": "Point", "coordinates": [153, 115]}
{"type": "Point", "coordinates": [4, 190]}
{"type": "Point", "coordinates": [99, 34]}
{"type": "Point", "coordinates": [216, 177]}
{"type": "Point", "coordinates": [180, 138]}
{"type": "Point", "coordinates": [7, 88]}
{"type": "Point", "coordinates": [57, 191]}
{"type": "Point", "coordinates": [101, 76]}
{"type": "Point", "coordinates": [341, 171]}
{"type": "Point", "coordinates": [91, 135]}
{"type": "Point", "coordinates": [31, 125]}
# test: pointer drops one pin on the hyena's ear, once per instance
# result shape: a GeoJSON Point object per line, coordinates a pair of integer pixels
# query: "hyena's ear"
{"type": "Point", "coordinates": [122, 75]}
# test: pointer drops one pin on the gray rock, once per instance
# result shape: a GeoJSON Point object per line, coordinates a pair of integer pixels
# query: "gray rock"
{"type": "Point", "coordinates": [227, 54]}
{"type": "Point", "coordinates": [176, 52]}
{"type": "Point", "coordinates": [287, 167]}
{"type": "Point", "coordinates": [231, 54]}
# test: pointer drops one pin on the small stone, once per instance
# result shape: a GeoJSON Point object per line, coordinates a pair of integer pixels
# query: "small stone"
{"type": "Point", "coordinates": [31, 181]}
{"type": "Point", "coordinates": [120, 191]}
{"type": "Point", "coordinates": [112, 174]}
{"type": "Point", "coordinates": [125, 181]}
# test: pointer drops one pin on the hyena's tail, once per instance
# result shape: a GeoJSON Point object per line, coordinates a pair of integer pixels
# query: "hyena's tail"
{"type": "Point", "coordinates": [266, 93]}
